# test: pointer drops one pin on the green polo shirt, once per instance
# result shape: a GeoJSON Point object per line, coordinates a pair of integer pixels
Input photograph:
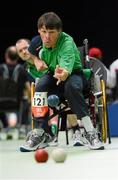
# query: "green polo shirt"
{"type": "Point", "coordinates": [65, 54]}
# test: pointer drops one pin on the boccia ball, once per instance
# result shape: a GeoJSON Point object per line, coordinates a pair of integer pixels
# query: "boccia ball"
{"type": "Point", "coordinates": [59, 155]}
{"type": "Point", "coordinates": [41, 155]}
{"type": "Point", "coordinates": [53, 100]}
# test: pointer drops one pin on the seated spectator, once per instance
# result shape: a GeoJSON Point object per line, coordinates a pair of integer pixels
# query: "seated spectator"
{"type": "Point", "coordinates": [13, 82]}
{"type": "Point", "coordinates": [114, 79]}
{"type": "Point", "coordinates": [97, 55]}
{"type": "Point", "coordinates": [34, 66]}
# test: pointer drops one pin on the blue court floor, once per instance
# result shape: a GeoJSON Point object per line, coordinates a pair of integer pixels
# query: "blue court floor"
{"type": "Point", "coordinates": [81, 163]}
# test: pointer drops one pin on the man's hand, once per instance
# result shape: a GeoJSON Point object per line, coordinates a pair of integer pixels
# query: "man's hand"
{"type": "Point", "coordinates": [40, 64]}
{"type": "Point", "coordinates": [61, 74]}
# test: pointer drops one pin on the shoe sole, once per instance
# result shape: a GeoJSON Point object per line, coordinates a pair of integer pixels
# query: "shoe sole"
{"type": "Point", "coordinates": [99, 148]}
{"type": "Point", "coordinates": [24, 149]}
{"type": "Point", "coordinates": [78, 144]}
{"type": "Point", "coordinates": [39, 146]}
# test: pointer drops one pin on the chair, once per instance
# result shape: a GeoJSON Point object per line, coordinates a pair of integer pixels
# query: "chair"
{"type": "Point", "coordinates": [95, 97]}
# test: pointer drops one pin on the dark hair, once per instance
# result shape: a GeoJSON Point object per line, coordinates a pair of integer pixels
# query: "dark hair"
{"type": "Point", "coordinates": [50, 20]}
{"type": "Point", "coordinates": [12, 54]}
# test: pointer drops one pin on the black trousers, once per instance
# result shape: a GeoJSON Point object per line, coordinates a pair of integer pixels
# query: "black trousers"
{"type": "Point", "coordinates": [72, 89]}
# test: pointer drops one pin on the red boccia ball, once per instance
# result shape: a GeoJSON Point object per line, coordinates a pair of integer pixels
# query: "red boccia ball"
{"type": "Point", "coordinates": [41, 155]}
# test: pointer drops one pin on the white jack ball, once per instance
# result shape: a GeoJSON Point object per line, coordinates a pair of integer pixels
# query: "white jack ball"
{"type": "Point", "coordinates": [59, 155]}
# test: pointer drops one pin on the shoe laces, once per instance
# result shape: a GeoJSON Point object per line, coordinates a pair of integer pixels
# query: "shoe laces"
{"type": "Point", "coordinates": [77, 134]}
{"type": "Point", "coordinates": [35, 132]}
{"type": "Point", "coordinates": [33, 139]}
{"type": "Point", "coordinates": [93, 137]}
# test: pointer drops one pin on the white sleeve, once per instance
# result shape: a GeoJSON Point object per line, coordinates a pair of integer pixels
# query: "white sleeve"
{"type": "Point", "coordinates": [112, 75]}
{"type": "Point", "coordinates": [109, 84]}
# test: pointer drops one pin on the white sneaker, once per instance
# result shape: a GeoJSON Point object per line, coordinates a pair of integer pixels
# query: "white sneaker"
{"type": "Point", "coordinates": [35, 139]}
{"type": "Point", "coordinates": [93, 141]}
{"type": "Point", "coordinates": [79, 139]}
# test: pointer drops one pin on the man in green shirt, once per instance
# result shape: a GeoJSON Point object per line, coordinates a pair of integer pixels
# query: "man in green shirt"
{"type": "Point", "coordinates": [65, 77]}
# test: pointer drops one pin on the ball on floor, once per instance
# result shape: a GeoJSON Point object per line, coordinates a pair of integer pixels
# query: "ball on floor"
{"type": "Point", "coordinates": [41, 155]}
{"type": "Point", "coordinates": [59, 155]}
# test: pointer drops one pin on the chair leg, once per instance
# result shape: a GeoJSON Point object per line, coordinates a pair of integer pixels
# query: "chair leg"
{"type": "Point", "coordinates": [60, 121]}
{"type": "Point", "coordinates": [66, 130]}
{"type": "Point", "coordinates": [32, 125]}
{"type": "Point", "coordinates": [58, 124]}
{"type": "Point", "coordinates": [67, 140]}
{"type": "Point", "coordinates": [32, 95]}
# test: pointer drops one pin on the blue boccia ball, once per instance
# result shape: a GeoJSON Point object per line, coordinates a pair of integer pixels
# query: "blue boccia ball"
{"type": "Point", "coordinates": [53, 100]}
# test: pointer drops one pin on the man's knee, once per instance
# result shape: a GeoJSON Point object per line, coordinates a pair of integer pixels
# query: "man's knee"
{"type": "Point", "coordinates": [73, 85]}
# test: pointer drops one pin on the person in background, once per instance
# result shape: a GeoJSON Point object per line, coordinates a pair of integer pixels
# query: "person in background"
{"type": "Point", "coordinates": [34, 67]}
{"type": "Point", "coordinates": [96, 57]}
{"type": "Point", "coordinates": [96, 53]}
{"type": "Point", "coordinates": [11, 71]}
{"type": "Point", "coordinates": [65, 77]}
{"type": "Point", "coordinates": [114, 79]}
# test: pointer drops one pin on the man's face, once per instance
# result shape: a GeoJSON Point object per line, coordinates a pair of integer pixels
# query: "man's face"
{"type": "Point", "coordinates": [22, 49]}
{"type": "Point", "coordinates": [49, 36]}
